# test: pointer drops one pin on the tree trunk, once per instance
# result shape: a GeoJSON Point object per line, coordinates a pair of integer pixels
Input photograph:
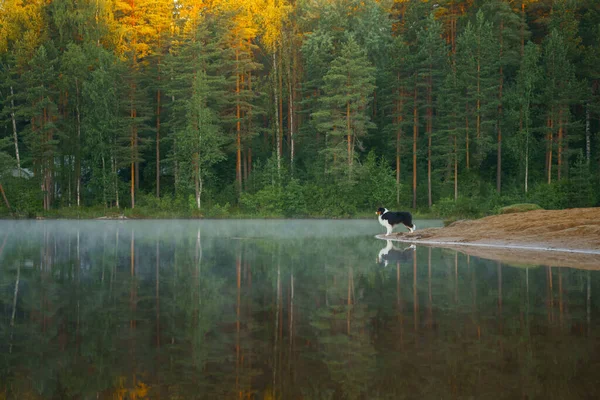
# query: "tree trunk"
{"type": "Point", "coordinates": [455, 170]}
{"type": "Point", "coordinates": [588, 146]}
{"type": "Point", "coordinates": [560, 143]}
{"type": "Point", "coordinates": [453, 25]}
{"type": "Point", "coordinates": [245, 168]}
{"type": "Point", "coordinates": [14, 126]}
{"type": "Point", "coordinates": [291, 87]}
{"type": "Point", "coordinates": [133, 163]}
{"type": "Point", "coordinates": [415, 136]}
{"type": "Point", "coordinates": [158, 141]}
{"type": "Point", "coordinates": [115, 180]}
{"type": "Point", "coordinates": [249, 155]}
{"type": "Point", "coordinates": [527, 157]}
{"type": "Point", "coordinates": [467, 136]}
{"type": "Point", "coordinates": [478, 107]}
{"type": "Point", "coordinates": [197, 181]}
{"type": "Point", "coordinates": [135, 180]}
{"type": "Point", "coordinates": [48, 161]}
{"type": "Point", "coordinates": [137, 163]}
{"type": "Point", "coordinates": [280, 104]}
{"type": "Point", "coordinates": [429, 131]}
{"type": "Point", "coordinates": [4, 197]}
{"type": "Point", "coordinates": [349, 135]}
{"type": "Point", "coordinates": [523, 23]}
{"type": "Point", "coordinates": [158, 120]}
{"type": "Point", "coordinates": [499, 120]}
{"type": "Point", "coordinates": [276, 107]}
{"type": "Point", "coordinates": [549, 139]}
{"type": "Point", "coordinates": [399, 120]}
{"type": "Point", "coordinates": [103, 181]}
{"type": "Point", "coordinates": [238, 127]}
{"type": "Point", "coordinates": [78, 154]}
{"type": "Point", "coordinates": [499, 160]}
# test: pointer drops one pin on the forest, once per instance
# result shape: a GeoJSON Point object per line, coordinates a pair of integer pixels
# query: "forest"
{"type": "Point", "coordinates": [297, 108]}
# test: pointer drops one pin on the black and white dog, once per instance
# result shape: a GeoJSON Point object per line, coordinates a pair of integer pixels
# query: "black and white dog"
{"type": "Point", "coordinates": [389, 219]}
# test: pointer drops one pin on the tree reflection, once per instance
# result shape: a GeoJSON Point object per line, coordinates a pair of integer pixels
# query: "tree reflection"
{"type": "Point", "coordinates": [140, 310]}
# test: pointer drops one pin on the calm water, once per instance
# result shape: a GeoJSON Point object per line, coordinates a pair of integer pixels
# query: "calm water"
{"type": "Point", "coordinates": [282, 310]}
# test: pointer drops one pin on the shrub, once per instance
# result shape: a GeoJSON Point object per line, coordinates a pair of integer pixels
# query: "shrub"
{"type": "Point", "coordinates": [376, 185]}
{"type": "Point", "coordinates": [24, 196]}
{"type": "Point", "coordinates": [267, 201]}
{"type": "Point", "coordinates": [294, 204]}
{"type": "Point", "coordinates": [218, 211]}
{"type": "Point", "coordinates": [463, 207]}
{"type": "Point", "coordinates": [551, 196]}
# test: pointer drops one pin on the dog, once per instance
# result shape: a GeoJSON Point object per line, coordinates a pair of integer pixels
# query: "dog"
{"type": "Point", "coordinates": [389, 219]}
{"type": "Point", "coordinates": [390, 254]}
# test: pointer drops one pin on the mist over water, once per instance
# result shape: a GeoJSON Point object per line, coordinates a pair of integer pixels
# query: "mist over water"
{"type": "Point", "coordinates": [282, 309]}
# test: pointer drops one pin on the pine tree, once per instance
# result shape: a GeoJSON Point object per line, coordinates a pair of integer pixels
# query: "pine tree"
{"type": "Point", "coordinates": [525, 95]}
{"type": "Point", "coordinates": [559, 93]}
{"type": "Point", "coordinates": [509, 33]}
{"type": "Point", "coordinates": [401, 98]}
{"type": "Point", "coordinates": [195, 70]}
{"type": "Point", "coordinates": [74, 72]}
{"type": "Point", "coordinates": [431, 69]}
{"type": "Point", "coordinates": [201, 140]}
{"type": "Point", "coordinates": [450, 132]}
{"type": "Point", "coordinates": [107, 133]}
{"type": "Point", "coordinates": [343, 118]}
{"type": "Point", "coordinates": [592, 75]}
{"type": "Point", "coordinates": [8, 82]}
{"type": "Point", "coordinates": [139, 29]}
{"type": "Point", "coordinates": [239, 39]}
{"type": "Point", "coordinates": [476, 68]}
{"type": "Point", "coordinates": [41, 96]}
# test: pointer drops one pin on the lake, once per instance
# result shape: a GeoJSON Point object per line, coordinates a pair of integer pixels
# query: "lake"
{"type": "Point", "coordinates": [276, 309]}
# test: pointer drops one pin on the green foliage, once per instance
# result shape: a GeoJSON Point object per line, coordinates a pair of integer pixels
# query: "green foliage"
{"type": "Point", "coordinates": [7, 163]}
{"type": "Point", "coordinates": [267, 201]}
{"type": "Point", "coordinates": [583, 188]}
{"type": "Point", "coordinates": [376, 184]}
{"type": "Point", "coordinates": [552, 196]}
{"type": "Point", "coordinates": [579, 191]}
{"type": "Point", "coordinates": [363, 87]}
{"type": "Point", "coordinates": [219, 211]}
{"type": "Point", "coordinates": [463, 207]}
{"type": "Point", "coordinates": [294, 199]}
{"type": "Point", "coordinates": [348, 86]}
{"type": "Point", "coordinates": [23, 195]}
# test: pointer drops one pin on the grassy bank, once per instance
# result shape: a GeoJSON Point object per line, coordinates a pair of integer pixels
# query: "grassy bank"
{"type": "Point", "coordinates": [145, 212]}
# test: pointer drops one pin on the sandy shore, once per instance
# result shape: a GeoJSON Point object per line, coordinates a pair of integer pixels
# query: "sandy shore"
{"type": "Point", "coordinates": [565, 238]}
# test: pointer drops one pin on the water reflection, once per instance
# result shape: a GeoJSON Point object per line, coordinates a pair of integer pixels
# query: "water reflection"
{"type": "Point", "coordinates": [229, 310]}
{"type": "Point", "coordinates": [391, 254]}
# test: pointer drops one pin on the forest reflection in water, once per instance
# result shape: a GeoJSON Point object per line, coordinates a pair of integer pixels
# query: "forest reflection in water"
{"type": "Point", "coordinates": [280, 309]}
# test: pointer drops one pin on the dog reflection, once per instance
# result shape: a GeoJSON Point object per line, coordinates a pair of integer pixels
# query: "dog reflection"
{"type": "Point", "coordinates": [390, 254]}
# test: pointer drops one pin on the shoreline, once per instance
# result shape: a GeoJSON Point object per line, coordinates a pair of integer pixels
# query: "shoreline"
{"type": "Point", "coordinates": [508, 246]}
{"type": "Point", "coordinates": [562, 238]}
